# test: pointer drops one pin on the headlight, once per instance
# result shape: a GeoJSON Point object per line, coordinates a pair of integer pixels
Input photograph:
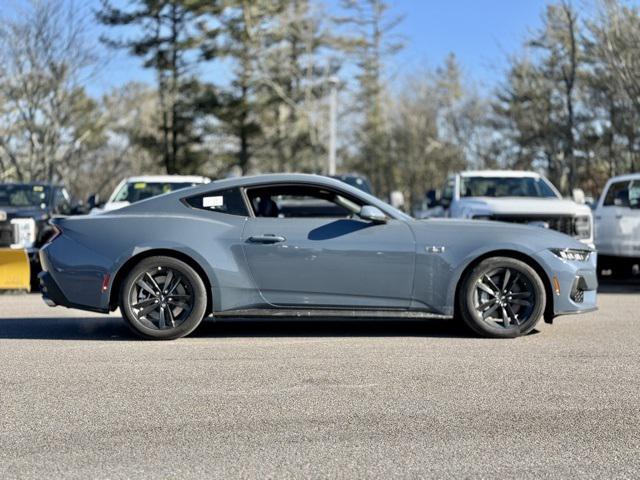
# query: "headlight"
{"type": "Point", "coordinates": [582, 227]}
{"type": "Point", "coordinates": [24, 232]}
{"type": "Point", "coordinates": [572, 254]}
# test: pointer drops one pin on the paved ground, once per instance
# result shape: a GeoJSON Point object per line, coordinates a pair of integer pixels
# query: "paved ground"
{"type": "Point", "coordinates": [80, 398]}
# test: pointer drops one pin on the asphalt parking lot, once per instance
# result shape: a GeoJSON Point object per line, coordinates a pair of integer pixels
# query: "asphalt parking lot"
{"type": "Point", "coordinates": [79, 397]}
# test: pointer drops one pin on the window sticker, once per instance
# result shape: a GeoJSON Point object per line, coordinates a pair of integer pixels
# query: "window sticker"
{"type": "Point", "coordinates": [140, 186]}
{"type": "Point", "coordinates": [38, 188]}
{"type": "Point", "coordinates": [212, 202]}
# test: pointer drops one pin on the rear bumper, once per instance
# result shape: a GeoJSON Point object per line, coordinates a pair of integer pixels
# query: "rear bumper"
{"type": "Point", "coordinates": [52, 294]}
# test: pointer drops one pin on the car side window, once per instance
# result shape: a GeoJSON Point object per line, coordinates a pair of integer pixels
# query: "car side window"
{"type": "Point", "coordinates": [61, 202]}
{"type": "Point", "coordinates": [301, 201]}
{"type": "Point", "coordinates": [447, 192]}
{"type": "Point", "coordinates": [227, 201]}
{"type": "Point", "coordinates": [617, 195]}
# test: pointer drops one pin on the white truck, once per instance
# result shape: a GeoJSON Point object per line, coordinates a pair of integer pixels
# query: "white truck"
{"type": "Point", "coordinates": [617, 226]}
{"type": "Point", "coordinates": [134, 189]}
{"type": "Point", "coordinates": [513, 196]}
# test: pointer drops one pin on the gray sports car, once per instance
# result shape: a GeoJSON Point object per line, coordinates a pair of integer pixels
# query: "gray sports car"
{"type": "Point", "coordinates": [308, 245]}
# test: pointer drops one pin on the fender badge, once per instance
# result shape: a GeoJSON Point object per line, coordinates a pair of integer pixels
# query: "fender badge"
{"type": "Point", "coordinates": [434, 249]}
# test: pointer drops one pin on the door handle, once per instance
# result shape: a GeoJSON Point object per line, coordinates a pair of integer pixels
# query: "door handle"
{"type": "Point", "coordinates": [267, 239]}
{"type": "Point", "coordinates": [618, 216]}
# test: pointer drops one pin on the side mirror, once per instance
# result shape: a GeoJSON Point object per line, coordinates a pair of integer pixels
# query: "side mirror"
{"type": "Point", "coordinates": [432, 199]}
{"type": "Point", "coordinates": [578, 196]}
{"type": "Point", "coordinates": [373, 214]}
{"type": "Point", "coordinates": [92, 201]}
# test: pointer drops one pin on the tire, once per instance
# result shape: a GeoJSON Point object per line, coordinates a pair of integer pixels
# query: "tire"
{"type": "Point", "coordinates": [495, 304]}
{"type": "Point", "coordinates": [163, 298]}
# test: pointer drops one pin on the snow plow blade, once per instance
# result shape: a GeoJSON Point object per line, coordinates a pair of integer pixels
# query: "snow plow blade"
{"type": "Point", "coordinates": [15, 271]}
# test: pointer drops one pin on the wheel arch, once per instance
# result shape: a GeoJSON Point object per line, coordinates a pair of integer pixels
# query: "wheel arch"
{"type": "Point", "coordinates": [523, 257]}
{"type": "Point", "coordinates": [127, 266]}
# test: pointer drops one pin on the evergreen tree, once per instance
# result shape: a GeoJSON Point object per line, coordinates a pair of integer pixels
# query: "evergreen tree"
{"type": "Point", "coordinates": [167, 42]}
{"type": "Point", "coordinates": [292, 73]}
{"type": "Point", "coordinates": [239, 38]}
{"type": "Point", "coordinates": [371, 43]}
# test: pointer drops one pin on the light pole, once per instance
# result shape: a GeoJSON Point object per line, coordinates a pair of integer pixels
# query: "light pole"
{"type": "Point", "coordinates": [333, 116]}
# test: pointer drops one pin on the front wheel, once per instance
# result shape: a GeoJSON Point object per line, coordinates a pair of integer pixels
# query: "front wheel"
{"type": "Point", "coordinates": [163, 298]}
{"type": "Point", "coordinates": [502, 297]}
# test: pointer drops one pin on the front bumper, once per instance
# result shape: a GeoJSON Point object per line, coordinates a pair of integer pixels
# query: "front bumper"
{"type": "Point", "coordinates": [574, 284]}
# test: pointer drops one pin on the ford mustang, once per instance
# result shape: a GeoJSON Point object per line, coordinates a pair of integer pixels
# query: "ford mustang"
{"type": "Point", "coordinates": [306, 245]}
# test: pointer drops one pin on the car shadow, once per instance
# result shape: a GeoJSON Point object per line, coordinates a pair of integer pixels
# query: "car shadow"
{"type": "Point", "coordinates": [114, 329]}
{"type": "Point", "coordinates": [56, 328]}
{"type": "Point", "coordinates": [337, 229]}
{"type": "Point", "coordinates": [295, 327]}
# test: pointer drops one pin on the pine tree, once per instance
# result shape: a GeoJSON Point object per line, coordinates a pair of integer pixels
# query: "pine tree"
{"type": "Point", "coordinates": [167, 40]}
{"type": "Point", "coordinates": [371, 43]}
{"type": "Point", "coordinates": [239, 38]}
{"type": "Point", "coordinates": [292, 72]}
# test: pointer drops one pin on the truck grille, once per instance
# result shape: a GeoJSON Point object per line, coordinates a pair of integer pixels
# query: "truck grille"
{"type": "Point", "coordinates": [561, 223]}
{"type": "Point", "coordinates": [6, 234]}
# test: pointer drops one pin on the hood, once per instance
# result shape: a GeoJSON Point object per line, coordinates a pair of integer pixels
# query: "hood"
{"type": "Point", "coordinates": [497, 234]}
{"type": "Point", "coordinates": [115, 205]}
{"type": "Point", "coordinates": [522, 206]}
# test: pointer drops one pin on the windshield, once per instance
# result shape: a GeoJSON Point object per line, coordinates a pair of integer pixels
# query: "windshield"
{"type": "Point", "coordinates": [136, 191]}
{"type": "Point", "coordinates": [505, 187]}
{"type": "Point", "coordinates": [24, 196]}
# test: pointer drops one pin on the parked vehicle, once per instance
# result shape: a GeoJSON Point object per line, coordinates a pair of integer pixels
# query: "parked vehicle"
{"type": "Point", "coordinates": [512, 196]}
{"type": "Point", "coordinates": [25, 209]}
{"type": "Point", "coordinates": [617, 226]}
{"type": "Point", "coordinates": [134, 189]}
{"type": "Point", "coordinates": [232, 248]}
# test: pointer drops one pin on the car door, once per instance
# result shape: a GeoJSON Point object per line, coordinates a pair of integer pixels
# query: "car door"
{"type": "Point", "coordinates": [333, 260]}
{"type": "Point", "coordinates": [618, 220]}
{"type": "Point", "coordinates": [610, 216]}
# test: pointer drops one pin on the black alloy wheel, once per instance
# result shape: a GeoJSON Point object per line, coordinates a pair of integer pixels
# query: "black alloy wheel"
{"type": "Point", "coordinates": [502, 297]}
{"type": "Point", "coordinates": [163, 298]}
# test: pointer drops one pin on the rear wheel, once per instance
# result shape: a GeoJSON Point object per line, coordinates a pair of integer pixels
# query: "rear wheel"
{"type": "Point", "coordinates": [163, 298]}
{"type": "Point", "coordinates": [502, 297]}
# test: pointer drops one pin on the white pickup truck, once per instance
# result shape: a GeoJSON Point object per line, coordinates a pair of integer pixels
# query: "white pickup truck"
{"type": "Point", "coordinates": [617, 226]}
{"type": "Point", "coordinates": [134, 189]}
{"type": "Point", "coordinates": [512, 196]}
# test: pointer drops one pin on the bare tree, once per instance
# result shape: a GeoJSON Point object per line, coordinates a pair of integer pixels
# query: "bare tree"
{"type": "Point", "coordinates": [47, 121]}
{"type": "Point", "coordinates": [614, 50]}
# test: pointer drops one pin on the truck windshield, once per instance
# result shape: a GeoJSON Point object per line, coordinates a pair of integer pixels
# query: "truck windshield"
{"type": "Point", "coordinates": [136, 191]}
{"type": "Point", "coordinates": [12, 195]}
{"type": "Point", "coordinates": [505, 187]}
